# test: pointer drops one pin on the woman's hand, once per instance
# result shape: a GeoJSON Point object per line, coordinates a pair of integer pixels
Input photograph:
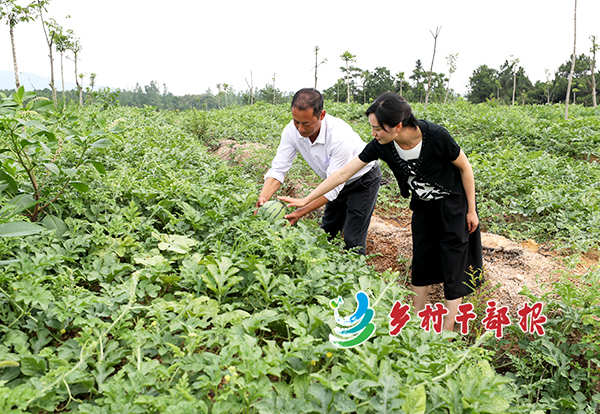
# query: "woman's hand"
{"type": "Point", "coordinates": [293, 202]}
{"type": "Point", "coordinates": [472, 221]}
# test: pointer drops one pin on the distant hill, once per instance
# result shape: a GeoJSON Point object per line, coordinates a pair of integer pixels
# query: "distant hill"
{"type": "Point", "coordinates": [31, 81]}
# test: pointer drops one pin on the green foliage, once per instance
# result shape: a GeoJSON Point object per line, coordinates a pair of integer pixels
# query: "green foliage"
{"type": "Point", "coordinates": [163, 292]}
{"type": "Point", "coordinates": [49, 151]}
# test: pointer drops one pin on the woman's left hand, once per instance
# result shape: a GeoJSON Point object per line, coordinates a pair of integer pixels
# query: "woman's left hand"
{"type": "Point", "coordinates": [472, 221]}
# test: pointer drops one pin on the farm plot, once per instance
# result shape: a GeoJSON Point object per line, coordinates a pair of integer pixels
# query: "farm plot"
{"type": "Point", "coordinates": [164, 293]}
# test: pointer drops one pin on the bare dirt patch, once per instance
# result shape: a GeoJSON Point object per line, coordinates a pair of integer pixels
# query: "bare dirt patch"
{"type": "Point", "coordinates": [235, 152]}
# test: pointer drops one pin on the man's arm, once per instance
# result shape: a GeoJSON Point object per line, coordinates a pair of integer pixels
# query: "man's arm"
{"type": "Point", "coordinates": [270, 186]}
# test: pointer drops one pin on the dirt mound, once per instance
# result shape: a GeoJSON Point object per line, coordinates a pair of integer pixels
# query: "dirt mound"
{"type": "Point", "coordinates": [232, 151]}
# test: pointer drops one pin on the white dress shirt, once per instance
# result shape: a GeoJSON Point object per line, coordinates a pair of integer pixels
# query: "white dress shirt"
{"type": "Point", "coordinates": [336, 145]}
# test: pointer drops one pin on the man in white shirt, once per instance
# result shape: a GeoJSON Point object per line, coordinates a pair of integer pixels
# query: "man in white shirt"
{"type": "Point", "coordinates": [326, 143]}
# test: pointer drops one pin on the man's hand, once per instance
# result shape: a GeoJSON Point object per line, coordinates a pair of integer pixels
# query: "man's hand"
{"type": "Point", "coordinates": [294, 216]}
{"type": "Point", "coordinates": [270, 186]}
{"type": "Point", "coordinates": [261, 200]}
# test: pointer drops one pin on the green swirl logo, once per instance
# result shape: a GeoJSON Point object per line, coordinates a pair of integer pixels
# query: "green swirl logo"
{"type": "Point", "coordinates": [357, 328]}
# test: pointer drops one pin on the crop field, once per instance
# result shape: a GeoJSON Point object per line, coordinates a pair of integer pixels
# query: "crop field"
{"type": "Point", "coordinates": [135, 277]}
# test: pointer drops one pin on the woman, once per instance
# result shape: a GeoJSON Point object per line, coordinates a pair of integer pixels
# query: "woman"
{"type": "Point", "coordinates": [430, 165]}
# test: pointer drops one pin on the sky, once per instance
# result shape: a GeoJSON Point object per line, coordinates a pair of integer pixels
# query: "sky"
{"type": "Point", "coordinates": [193, 45]}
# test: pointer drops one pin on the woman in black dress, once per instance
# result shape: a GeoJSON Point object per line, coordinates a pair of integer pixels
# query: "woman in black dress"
{"type": "Point", "coordinates": [430, 165]}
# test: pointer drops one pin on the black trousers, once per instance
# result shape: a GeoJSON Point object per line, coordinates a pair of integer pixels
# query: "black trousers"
{"type": "Point", "coordinates": [443, 250]}
{"type": "Point", "coordinates": [351, 211]}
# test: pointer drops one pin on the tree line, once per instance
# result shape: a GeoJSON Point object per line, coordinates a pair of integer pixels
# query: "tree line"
{"type": "Point", "coordinates": [507, 84]}
{"type": "Point", "coordinates": [59, 40]}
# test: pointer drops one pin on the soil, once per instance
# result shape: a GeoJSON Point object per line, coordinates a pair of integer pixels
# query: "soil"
{"type": "Point", "coordinates": [509, 266]}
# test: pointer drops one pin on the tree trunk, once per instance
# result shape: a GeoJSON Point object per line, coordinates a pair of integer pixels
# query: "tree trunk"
{"type": "Point", "coordinates": [435, 36]}
{"type": "Point", "coordinates": [50, 42]}
{"type": "Point", "coordinates": [62, 76]}
{"type": "Point", "coordinates": [54, 99]}
{"type": "Point", "coordinates": [12, 41]}
{"type": "Point", "coordinates": [316, 66]}
{"type": "Point", "coordinates": [572, 64]}
{"type": "Point", "coordinates": [79, 87]}
{"type": "Point", "coordinates": [514, 86]}
{"type": "Point", "coordinates": [347, 82]}
{"type": "Point", "coordinates": [593, 67]}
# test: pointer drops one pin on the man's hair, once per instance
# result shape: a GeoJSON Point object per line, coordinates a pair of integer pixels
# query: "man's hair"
{"type": "Point", "coordinates": [308, 98]}
{"type": "Point", "coordinates": [391, 109]}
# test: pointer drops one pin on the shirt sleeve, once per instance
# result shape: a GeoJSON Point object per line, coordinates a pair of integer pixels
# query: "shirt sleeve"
{"type": "Point", "coordinates": [447, 147]}
{"type": "Point", "coordinates": [286, 153]}
{"type": "Point", "coordinates": [369, 153]}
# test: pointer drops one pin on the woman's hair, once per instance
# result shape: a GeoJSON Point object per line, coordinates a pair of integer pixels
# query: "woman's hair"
{"type": "Point", "coordinates": [391, 109]}
{"type": "Point", "coordinates": [308, 98]}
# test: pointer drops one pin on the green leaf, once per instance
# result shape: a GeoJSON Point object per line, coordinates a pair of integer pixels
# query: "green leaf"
{"type": "Point", "coordinates": [33, 366]}
{"type": "Point", "coordinates": [10, 181]}
{"type": "Point", "coordinates": [42, 105]}
{"type": "Point", "coordinates": [98, 166]}
{"type": "Point", "coordinates": [11, 364]}
{"type": "Point", "coordinates": [102, 143]}
{"type": "Point", "coordinates": [25, 201]}
{"type": "Point", "coordinates": [19, 228]}
{"type": "Point", "coordinates": [7, 262]}
{"type": "Point", "coordinates": [36, 124]}
{"type": "Point", "coordinates": [415, 400]}
{"type": "Point", "coordinates": [101, 122]}
{"type": "Point", "coordinates": [54, 223]}
{"type": "Point", "coordinates": [81, 187]}
{"type": "Point", "coordinates": [70, 172]}
{"type": "Point", "coordinates": [52, 167]}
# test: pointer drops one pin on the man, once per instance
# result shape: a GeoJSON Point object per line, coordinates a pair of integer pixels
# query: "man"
{"type": "Point", "coordinates": [326, 143]}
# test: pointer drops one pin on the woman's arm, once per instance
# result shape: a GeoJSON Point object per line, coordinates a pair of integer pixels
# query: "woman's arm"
{"type": "Point", "coordinates": [468, 181]}
{"type": "Point", "coordinates": [336, 178]}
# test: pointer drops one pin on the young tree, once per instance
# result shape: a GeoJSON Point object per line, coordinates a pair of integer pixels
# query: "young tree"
{"type": "Point", "coordinates": [595, 47]}
{"type": "Point", "coordinates": [400, 82]}
{"type": "Point", "coordinates": [14, 14]}
{"type": "Point", "coordinates": [274, 89]}
{"type": "Point", "coordinates": [348, 57]}
{"type": "Point", "coordinates": [317, 63]}
{"type": "Point", "coordinates": [251, 87]}
{"type": "Point", "coordinates": [219, 94]}
{"type": "Point", "coordinates": [62, 41]}
{"type": "Point", "coordinates": [75, 48]}
{"type": "Point", "coordinates": [451, 61]}
{"type": "Point", "coordinates": [549, 92]}
{"type": "Point", "coordinates": [51, 28]}
{"type": "Point", "coordinates": [435, 36]}
{"type": "Point", "coordinates": [514, 64]}
{"type": "Point", "coordinates": [418, 89]}
{"type": "Point", "coordinates": [572, 63]}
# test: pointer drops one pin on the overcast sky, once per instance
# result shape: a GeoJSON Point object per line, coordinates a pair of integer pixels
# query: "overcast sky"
{"type": "Point", "coordinates": [192, 45]}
